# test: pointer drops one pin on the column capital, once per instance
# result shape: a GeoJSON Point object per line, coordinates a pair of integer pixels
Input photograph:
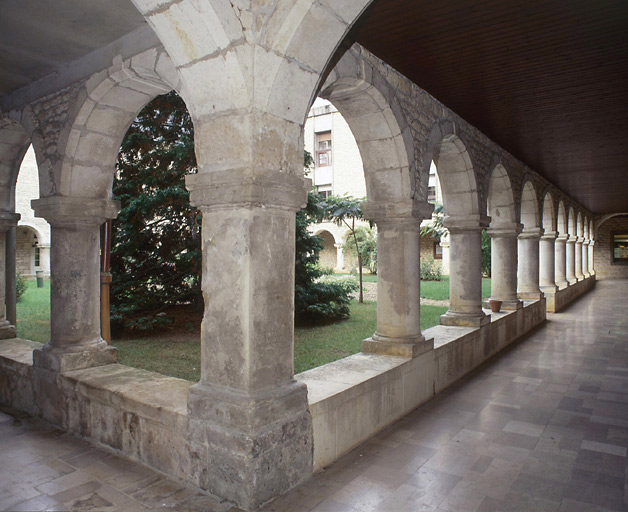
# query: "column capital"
{"type": "Point", "coordinates": [467, 223]}
{"type": "Point", "coordinates": [69, 211]}
{"type": "Point", "coordinates": [409, 210]}
{"type": "Point", "coordinates": [562, 238]}
{"type": "Point", "coordinates": [549, 235]}
{"type": "Point", "coordinates": [585, 241]}
{"type": "Point", "coordinates": [243, 188]}
{"type": "Point", "coordinates": [571, 239]}
{"type": "Point", "coordinates": [531, 234]}
{"type": "Point", "coordinates": [509, 230]}
{"type": "Point", "coordinates": [8, 220]}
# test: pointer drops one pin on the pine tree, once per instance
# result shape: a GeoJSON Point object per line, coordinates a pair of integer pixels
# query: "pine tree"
{"type": "Point", "coordinates": [156, 251]}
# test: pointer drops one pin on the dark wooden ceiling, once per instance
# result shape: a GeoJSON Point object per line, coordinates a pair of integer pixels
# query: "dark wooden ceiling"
{"type": "Point", "coordinates": [545, 79]}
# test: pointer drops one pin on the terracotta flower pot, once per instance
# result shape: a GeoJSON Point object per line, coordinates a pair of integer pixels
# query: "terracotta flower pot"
{"type": "Point", "coordinates": [496, 305]}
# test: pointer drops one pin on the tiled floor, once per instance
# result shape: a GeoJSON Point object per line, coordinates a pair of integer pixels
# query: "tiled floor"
{"type": "Point", "coordinates": [543, 427]}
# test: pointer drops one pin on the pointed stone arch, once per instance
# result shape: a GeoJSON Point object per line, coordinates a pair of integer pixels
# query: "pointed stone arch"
{"type": "Point", "coordinates": [549, 215]}
{"type": "Point", "coordinates": [104, 114]}
{"type": "Point", "coordinates": [561, 220]}
{"type": "Point", "coordinates": [14, 143]}
{"type": "Point", "coordinates": [529, 207]}
{"type": "Point", "coordinates": [571, 222]}
{"type": "Point", "coordinates": [369, 105]}
{"type": "Point", "coordinates": [500, 199]}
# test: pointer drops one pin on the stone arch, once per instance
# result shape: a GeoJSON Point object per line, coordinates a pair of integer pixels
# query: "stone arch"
{"type": "Point", "coordinates": [585, 227]}
{"type": "Point", "coordinates": [549, 216]}
{"type": "Point", "coordinates": [571, 222]}
{"type": "Point", "coordinates": [561, 221]}
{"type": "Point", "coordinates": [500, 199]}
{"type": "Point", "coordinates": [103, 117]}
{"type": "Point", "coordinates": [529, 207]}
{"type": "Point", "coordinates": [591, 230]}
{"type": "Point", "coordinates": [328, 256]}
{"type": "Point", "coordinates": [370, 108]}
{"type": "Point", "coordinates": [579, 225]}
{"type": "Point", "coordinates": [14, 143]}
{"type": "Point", "coordinates": [455, 171]}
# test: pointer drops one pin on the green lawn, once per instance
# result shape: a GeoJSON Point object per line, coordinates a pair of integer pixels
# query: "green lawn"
{"type": "Point", "coordinates": [439, 290]}
{"type": "Point", "coordinates": [179, 356]}
{"type": "Point", "coordinates": [366, 277]}
{"type": "Point", "coordinates": [33, 313]}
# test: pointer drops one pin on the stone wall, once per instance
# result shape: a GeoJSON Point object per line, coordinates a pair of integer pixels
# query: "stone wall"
{"type": "Point", "coordinates": [602, 251]}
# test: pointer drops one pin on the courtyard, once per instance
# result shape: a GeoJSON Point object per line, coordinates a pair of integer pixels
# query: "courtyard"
{"type": "Point", "coordinates": [542, 426]}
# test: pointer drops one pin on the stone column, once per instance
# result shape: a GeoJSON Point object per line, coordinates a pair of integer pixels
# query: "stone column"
{"type": "Point", "coordinates": [340, 256]}
{"type": "Point", "coordinates": [75, 340]}
{"type": "Point", "coordinates": [590, 259]}
{"type": "Point", "coordinates": [8, 221]}
{"type": "Point", "coordinates": [465, 272]}
{"type": "Point", "coordinates": [444, 243]}
{"type": "Point", "coordinates": [44, 259]}
{"type": "Point", "coordinates": [578, 259]}
{"type": "Point", "coordinates": [560, 261]}
{"type": "Point", "coordinates": [11, 269]}
{"type": "Point", "coordinates": [585, 258]}
{"type": "Point", "coordinates": [398, 279]}
{"type": "Point", "coordinates": [571, 260]}
{"type": "Point", "coordinates": [504, 265]}
{"type": "Point", "coordinates": [546, 263]}
{"type": "Point", "coordinates": [247, 411]}
{"type": "Point", "coordinates": [528, 264]}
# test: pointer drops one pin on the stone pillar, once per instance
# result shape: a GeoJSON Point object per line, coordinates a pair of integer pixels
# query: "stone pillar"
{"type": "Point", "coordinates": [340, 256]}
{"type": "Point", "coordinates": [590, 259]}
{"type": "Point", "coordinates": [444, 243]}
{"type": "Point", "coordinates": [398, 279]}
{"type": "Point", "coordinates": [75, 340]}
{"type": "Point", "coordinates": [560, 261]}
{"type": "Point", "coordinates": [247, 411]}
{"type": "Point", "coordinates": [465, 272]}
{"type": "Point", "coordinates": [8, 221]}
{"type": "Point", "coordinates": [578, 259]}
{"type": "Point", "coordinates": [546, 263]}
{"type": "Point", "coordinates": [11, 269]}
{"type": "Point", "coordinates": [528, 264]}
{"type": "Point", "coordinates": [44, 259]}
{"type": "Point", "coordinates": [585, 258]}
{"type": "Point", "coordinates": [504, 265]}
{"type": "Point", "coordinates": [571, 260]}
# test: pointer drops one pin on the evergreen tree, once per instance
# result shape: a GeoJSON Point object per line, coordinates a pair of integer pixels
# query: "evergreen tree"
{"type": "Point", "coordinates": [156, 250]}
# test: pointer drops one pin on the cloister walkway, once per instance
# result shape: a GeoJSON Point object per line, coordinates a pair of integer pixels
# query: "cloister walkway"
{"type": "Point", "coordinates": [541, 427]}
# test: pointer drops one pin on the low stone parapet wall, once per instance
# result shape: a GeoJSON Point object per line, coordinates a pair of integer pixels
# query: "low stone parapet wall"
{"type": "Point", "coordinates": [144, 415]}
{"type": "Point", "coordinates": [353, 398]}
{"type": "Point", "coordinates": [559, 300]}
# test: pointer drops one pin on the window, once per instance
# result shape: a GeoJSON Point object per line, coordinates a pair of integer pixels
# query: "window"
{"type": "Point", "coordinates": [438, 251]}
{"type": "Point", "coordinates": [619, 242]}
{"type": "Point", "coordinates": [37, 257]}
{"type": "Point", "coordinates": [323, 193]}
{"type": "Point", "coordinates": [431, 194]}
{"type": "Point", "coordinates": [323, 149]}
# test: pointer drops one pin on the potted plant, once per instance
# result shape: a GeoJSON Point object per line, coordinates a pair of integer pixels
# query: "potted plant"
{"type": "Point", "coordinates": [496, 305]}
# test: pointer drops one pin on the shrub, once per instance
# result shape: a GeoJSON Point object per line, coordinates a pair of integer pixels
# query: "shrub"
{"type": "Point", "coordinates": [367, 245]}
{"type": "Point", "coordinates": [430, 270]}
{"type": "Point", "coordinates": [20, 285]}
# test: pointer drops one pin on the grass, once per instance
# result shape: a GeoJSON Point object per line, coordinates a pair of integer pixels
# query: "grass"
{"type": "Point", "coordinates": [33, 313]}
{"type": "Point", "coordinates": [366, 277]}
{"type": "Point", "coordinates": [179, 355]}
{"type": "Point", "coordinates": [315, 346]}
{"type": "Point", "coordinates": [439, 290]}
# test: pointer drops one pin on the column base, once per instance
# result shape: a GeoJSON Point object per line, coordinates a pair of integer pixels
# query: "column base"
{"type": "Point", "coordinates": [562, 284]}
{"type": "Point", "coordinates": [464, 319]}
{"type": "Point", "coordinates": [402, 347]}
{"type": "Point", "coordinates": [259, 445]}
{"type": "Point", "coordinates": [7, 330]}
{"type": "Point", "coordinates": [63, 359]}
{"type": "Point", "coordinates": [530, 295]}
{"type": "Point", "coordinates": [572, 281]}
{"type": "Point", "coordinates": [507, 305]}
{"type": "Point", "coordinates": [580, 278]}
{"type": "Point", "coordinates": [549, 289]}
